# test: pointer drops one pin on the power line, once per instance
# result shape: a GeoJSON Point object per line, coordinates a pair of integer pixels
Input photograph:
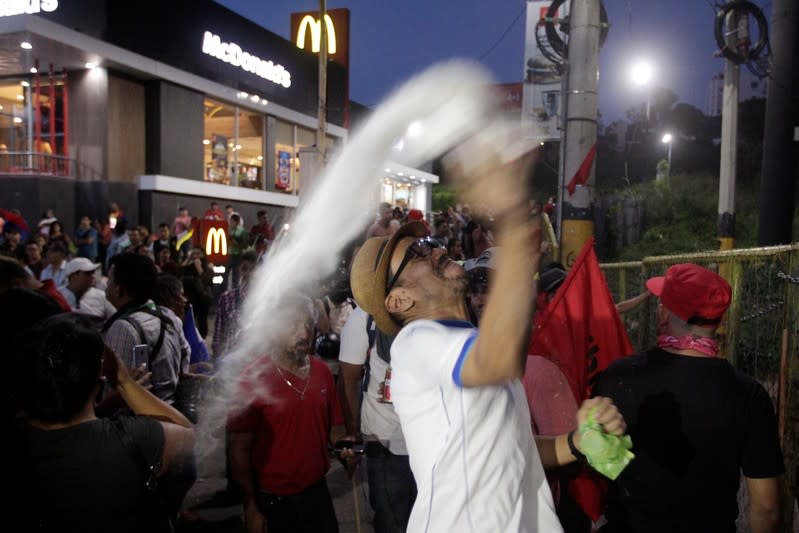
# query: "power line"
{"type": "Point", "coordinates": [505, 33]}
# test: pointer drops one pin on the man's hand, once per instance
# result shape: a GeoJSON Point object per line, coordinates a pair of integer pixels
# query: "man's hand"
{"type": "Point", "coordinates": [348, 458]}
{"type": "Point", "coordinates": [490, 182]}
{"type": "Point", "coordinates": [605, 413]}
{"type": "Point", "coordinates": [253, 518]}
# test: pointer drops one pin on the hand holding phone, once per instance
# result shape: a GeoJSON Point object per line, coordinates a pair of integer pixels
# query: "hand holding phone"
{"type": "Point", "coordinates": [140, 355]}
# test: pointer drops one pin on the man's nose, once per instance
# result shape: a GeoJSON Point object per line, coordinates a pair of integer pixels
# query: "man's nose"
{"type": "Point", "coordinates": [438, 252]}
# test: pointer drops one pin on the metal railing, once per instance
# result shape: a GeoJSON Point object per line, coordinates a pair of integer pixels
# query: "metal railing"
{"type": "Point", "coordinates": [44, 164]}
{"type": "Point", "coordinates": [759, 333]}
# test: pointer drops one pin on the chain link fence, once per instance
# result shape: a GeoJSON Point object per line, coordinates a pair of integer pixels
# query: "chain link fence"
{"type": "Point", "coordinates": [759, 334]}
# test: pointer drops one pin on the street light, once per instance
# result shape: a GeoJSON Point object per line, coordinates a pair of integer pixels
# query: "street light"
{"type": "Point", "coordinates": [641, 74]}
{"type": "Point", "coordinates": [667, 138]}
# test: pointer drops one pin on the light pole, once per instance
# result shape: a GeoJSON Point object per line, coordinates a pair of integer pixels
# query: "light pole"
{"type": "Point", "coordinates": [641, 74]}
{"type": "Point", "coordinates": [667, 139]}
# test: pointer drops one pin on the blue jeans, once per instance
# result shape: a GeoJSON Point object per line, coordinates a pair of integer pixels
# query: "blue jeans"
{"type": "Point", "coordinates": [392, 489]}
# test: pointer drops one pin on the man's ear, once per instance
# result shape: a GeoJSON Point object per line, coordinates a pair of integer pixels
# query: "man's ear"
{"type": "Point", "coordinates": [399, 300]}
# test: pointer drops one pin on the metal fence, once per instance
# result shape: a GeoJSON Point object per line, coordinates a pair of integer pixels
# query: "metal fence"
{"type": "Point", "coordinates": [44, 164]}
{"type": "Point", "coordinates": [759, 334]}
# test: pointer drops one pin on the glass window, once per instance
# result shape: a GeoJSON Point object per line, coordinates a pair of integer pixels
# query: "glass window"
{"type": "Point", "coordinates": [249, 150]}
{"type": "Point", "coordinates": [20, 133]}
{"type": "Point", "coordinates": [285, 157]}
{"type": "Point", "coordinates": [219, 142]}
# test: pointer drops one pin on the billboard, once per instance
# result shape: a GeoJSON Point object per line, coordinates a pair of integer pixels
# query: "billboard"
{"type": "Point", "coordinates": [541, 88]}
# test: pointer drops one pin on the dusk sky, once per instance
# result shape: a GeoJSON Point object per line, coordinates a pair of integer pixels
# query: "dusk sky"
{"type": "Point", "coordinates": [393, 39]}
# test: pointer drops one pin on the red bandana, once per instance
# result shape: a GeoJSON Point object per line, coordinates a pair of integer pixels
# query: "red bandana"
{"type": "Point", "coordinates": [703, 345]}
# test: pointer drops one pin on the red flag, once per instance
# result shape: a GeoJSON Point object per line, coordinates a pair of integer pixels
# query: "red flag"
{"type": "Point", "coordinates": [581, 332]}
{"type": "Point", "coordinates": [582, 174]}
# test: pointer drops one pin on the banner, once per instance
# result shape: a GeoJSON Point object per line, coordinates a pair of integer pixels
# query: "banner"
{"type": "Point", "coordinates": [541, 92]}
{"type": "Point", "coordinates": [581, 331]}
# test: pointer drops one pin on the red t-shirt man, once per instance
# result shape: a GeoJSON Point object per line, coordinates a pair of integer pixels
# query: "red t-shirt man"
{"type": "Point", "coordinates": [290, 430]}
{"type": "Point", "coordinates": [262, 234]}
{"type": "Point", "coordinates": [214, 213]}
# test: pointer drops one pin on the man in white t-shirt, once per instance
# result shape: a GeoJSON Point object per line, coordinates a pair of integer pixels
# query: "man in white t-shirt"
{"type": "Point", "coordinates": [80, 291]}
{"type": "Point", "coordinates": [462, 408]}
{"type": "Point", "coordinates": [370, 415]}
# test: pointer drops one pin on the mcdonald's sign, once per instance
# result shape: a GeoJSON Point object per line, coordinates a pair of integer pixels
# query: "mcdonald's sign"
{"type": "Point", "coordinates": [306, 31]}
{"type": "Point", "coordinates": [213, 240]}
{"type": "Point", "coordinates": [308, 22]}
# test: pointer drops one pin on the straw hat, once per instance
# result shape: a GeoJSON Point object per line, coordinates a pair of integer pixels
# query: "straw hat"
{"type": "Point", "coordinates": [369, 274]}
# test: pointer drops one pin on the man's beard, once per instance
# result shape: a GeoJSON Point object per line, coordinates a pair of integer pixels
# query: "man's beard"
{"type": "Point", "coordinates": [458, 285]}
{"type": "Point", "coordinates": [297, 354]}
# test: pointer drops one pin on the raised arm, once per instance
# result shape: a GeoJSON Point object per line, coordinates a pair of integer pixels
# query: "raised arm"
{"type": "Point", "coordinates": [499, 187]}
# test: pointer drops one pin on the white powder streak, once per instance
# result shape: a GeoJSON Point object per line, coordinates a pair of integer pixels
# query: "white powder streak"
{"type": "Point", "coordinates": [447, 103]}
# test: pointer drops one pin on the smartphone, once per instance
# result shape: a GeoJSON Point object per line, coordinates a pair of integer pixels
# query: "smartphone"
{"type": "Point", "coordinates": [356, 446]}
{"type": "Point", "coordinates": [140, 356]}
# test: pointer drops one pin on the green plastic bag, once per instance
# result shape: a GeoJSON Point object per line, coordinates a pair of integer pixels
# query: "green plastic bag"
{"type": "Point", "coordinates": [606, 453]}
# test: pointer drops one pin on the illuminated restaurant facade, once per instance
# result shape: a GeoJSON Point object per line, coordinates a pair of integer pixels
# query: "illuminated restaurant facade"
{"type": "Point", "coordinates": [155, 105]}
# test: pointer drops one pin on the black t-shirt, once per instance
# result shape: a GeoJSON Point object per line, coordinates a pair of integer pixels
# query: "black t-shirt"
{"type": "Point", "coordinates": [83, 478]}
{"type": "Point", "coordinates": [696, 423]}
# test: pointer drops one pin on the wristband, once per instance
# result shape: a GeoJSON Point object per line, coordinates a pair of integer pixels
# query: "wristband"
{"type": "Point", "coordinates": [580, 456]}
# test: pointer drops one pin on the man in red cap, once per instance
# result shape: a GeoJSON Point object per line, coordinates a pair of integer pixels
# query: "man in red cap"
{"type": "Point", "coordinates": [696, 422]}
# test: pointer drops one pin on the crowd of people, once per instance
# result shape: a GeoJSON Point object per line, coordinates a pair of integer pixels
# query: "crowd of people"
{"type": "Point", "coordinates": [412, 362]}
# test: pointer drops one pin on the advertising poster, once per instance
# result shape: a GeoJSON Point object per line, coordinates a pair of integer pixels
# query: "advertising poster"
{"type": "Point", "coordinates": [541, 88]}
{"type": "Point", "coordinates": [283, 176]}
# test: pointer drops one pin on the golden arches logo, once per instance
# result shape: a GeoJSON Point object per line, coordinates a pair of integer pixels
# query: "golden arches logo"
{"type": "Point", "coordinates": [216, 242]}
{"type": "Point", "coordinates": [316, 33]}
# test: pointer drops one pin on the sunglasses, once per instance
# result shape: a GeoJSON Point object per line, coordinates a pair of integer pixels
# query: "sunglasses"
{"type": "Point", "coordinates": [421, 248]}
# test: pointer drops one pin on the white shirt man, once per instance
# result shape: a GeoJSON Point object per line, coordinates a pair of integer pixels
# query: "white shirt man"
{"type": "Point", "coordinates": [57, 271]}
{"type": "Point", "coordinates": [379, 421]}
{"type": "Point", "coordinates": [448, 428]}
{"type": "Point", "coordinates": [80, 291]}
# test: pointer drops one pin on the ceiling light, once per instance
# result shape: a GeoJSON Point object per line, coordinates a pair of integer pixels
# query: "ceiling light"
{"type": "Point", "coordinates": [255, 98]}
{"type": "Point", "coordinates": [17, 120]}
{"type": "Point", "coordinates": [1, 108]}
{"type": "Point", "coordinates": [400, 173]}
{"type": "Point", "coordinates": [20, 97]}
{"type": "Point", "coordinates": [90, 65]}
{"type": "Point", "coordinates": [260, 158]}
{"type": "Point", "coordinates": [25, 84]}
{"type": "Point", "coordinates": [264, 101]}
{"type": "Point", "coordinates": [34, 70]}
{"type": "Point", "coordinates": [206, 141]}
{"type": "Point", "coordinates": [388, 170]}
{"type": "Point", "coordinates": [25, 45]}
{"type": "Point", "coordinates": [238, 147]}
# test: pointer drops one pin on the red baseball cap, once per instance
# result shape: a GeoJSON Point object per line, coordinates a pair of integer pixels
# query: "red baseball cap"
{"type": "Point", "coordinates": [415, 214]}
{"type": "Point", "coordinates": [692, 293]}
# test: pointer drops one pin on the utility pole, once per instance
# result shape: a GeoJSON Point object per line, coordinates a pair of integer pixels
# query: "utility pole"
{"type": "Point", "coordinates": [577, 222]}
{"type": "Point", "coordinates": [779, 174]}
{"type": "Point", "coordinates": [321, 129]}
{"type": "Point", "coordinates": [729, 135]}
